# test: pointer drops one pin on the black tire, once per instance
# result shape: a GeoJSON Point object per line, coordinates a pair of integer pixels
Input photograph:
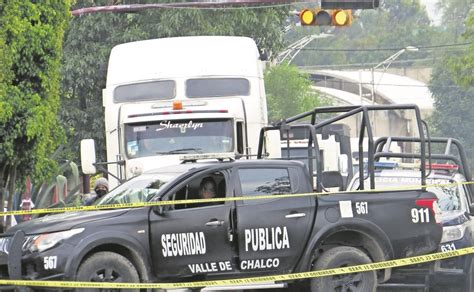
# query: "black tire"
{"type": "Point", "coordinates": [343, 256]}
{"type": "Point", "coordinates": [107, 266]}
{"type": "Point", "coordinates": [469, 277]}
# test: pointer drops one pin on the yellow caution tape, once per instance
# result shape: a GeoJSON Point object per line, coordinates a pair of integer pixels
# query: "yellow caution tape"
{"type": "Point", "coordinates": [244, 281]}
{"type": "Point", "coordinates": [196, 201]}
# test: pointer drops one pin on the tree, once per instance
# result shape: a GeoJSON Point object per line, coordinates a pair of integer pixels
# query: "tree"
{"type": "Point", "coordinates": [289, 92]}
{"type": "Point", "coordinates": [30, 41]}
{"type": "Point", "coordinates": [454, 14]}
{"type": "Point", "coordinates": [91, 37]}
{"type": "Point", "coordinates": [452, 85]}
{"type": "Point", "coordinates": [462, 66]}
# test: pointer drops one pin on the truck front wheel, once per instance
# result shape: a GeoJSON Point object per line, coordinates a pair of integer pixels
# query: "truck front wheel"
{"type": "Point", "coordinates": [338, 257]}
{"type": "Point", "coordinates": [107, 266]}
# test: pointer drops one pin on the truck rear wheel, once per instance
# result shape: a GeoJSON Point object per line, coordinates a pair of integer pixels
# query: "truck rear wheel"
{"type": "Point", "coordinates": [343, 256]}
{"type": "Point", "coordinates": [469, 276]}
{"type": "Point", "coordinates": [107, 266]}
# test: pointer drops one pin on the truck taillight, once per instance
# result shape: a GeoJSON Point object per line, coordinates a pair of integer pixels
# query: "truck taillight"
{"type": "Point", "coordinates": [437, 166]}
{"type": "Point", "coordinates": [431, 204]}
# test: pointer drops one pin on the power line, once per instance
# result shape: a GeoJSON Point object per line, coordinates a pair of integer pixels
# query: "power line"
{"type": "Point", "coordinates": [365, 65]}
{"type": "Point", "coordinates": [401, 85]}
{"type": "Point", "coordinates": [387, 49]}
{"type": "Point", "coordinates": [221, 5]}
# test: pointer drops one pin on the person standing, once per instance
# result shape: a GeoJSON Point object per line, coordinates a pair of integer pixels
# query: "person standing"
{"type": "Point", "coordinates": [101, 187]}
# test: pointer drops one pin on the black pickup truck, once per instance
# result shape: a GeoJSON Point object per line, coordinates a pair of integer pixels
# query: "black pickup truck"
{"type": "Point", "coordinates": [231, 239]}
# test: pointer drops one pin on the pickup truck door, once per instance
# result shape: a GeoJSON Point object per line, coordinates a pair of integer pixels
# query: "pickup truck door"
{"type": "Point", "coordinates": [193, 239]}
{"type": "Point", "coordinates": [272, 232]}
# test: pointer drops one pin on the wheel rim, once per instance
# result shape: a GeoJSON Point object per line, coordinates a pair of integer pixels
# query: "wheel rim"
{"type": "Point", "coordinates": [347, 282]}
{"type": "Point", "coordinates": [106, 275]}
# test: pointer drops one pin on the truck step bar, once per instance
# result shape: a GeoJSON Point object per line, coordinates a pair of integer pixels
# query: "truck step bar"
{"type": "Point", "coordinates": [401, 286]}
{"type": "Point", "coordinates": [264, 285]}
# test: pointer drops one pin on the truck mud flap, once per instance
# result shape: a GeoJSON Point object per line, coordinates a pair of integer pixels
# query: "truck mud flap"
{"type": "Point", "coordinates": [14, 255]}
{"type": "Point", "coordinates": [14, 260]}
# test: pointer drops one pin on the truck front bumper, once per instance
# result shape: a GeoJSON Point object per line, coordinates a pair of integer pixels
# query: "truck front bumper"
{"type": "Point", "coordinates": [15, 266]}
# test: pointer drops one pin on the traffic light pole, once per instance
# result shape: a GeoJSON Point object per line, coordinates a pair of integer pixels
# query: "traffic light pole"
{"type": "Point", "coordinates": [128, 8]}
{"type": "Point", "coordinates": [293, 49]}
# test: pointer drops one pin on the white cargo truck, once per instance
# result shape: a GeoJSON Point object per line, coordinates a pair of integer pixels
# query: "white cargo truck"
{"type": "Point", "coordinates": [173, 96]}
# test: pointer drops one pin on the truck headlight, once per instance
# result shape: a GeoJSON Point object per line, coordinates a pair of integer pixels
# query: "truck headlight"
{"type": "Point", "coordinates": [451, 233]}
{"type": "Point", "coordinates": [4, 244]}
{"type": "Point", "coordinates": [42, 242]}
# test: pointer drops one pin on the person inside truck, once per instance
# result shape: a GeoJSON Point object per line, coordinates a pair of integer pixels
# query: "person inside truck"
{"type": "Point", "coordinates": [207, 190]}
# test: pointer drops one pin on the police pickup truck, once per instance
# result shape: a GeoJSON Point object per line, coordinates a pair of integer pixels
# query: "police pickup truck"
{"type": "Point", "coordinates": [228, 239]}
{"type": "Point", "coordinates": [239, 236]}
{"type": "Point", "coordinates": [449, 178]}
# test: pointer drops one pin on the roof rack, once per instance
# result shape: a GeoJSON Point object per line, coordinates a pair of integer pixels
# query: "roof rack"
{"type": "Point", "coordinates": [205, 156]}
{"type": "Point", "coordinates": [365, 128]}
{"type": "Point", "coordinates": [451, 145]}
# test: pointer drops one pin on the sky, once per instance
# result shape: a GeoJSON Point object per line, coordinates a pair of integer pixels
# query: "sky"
{"type": "Point", "coordinates": [433, 13]}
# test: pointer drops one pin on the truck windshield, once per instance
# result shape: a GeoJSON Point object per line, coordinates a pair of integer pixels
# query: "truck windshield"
{"type": "Point", "coordinates": [299, 154]}
{"type": "Point", "coordinates": [217, 87]}
{"type": "Point", "coordinates": [137, 190]}
{"type": "Point", "coordinates": [155, 90]}
{"type": "Point", "coordinates": [179, 137]}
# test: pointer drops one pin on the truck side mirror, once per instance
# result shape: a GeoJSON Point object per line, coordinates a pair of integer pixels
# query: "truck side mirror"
{"type": "Point", "coordinates": [471, 209]}
{"type": "Point", "coordinates": [159, 210]}
{"type": "Point", "coordinates": [88, 156]}
{"type": "Point", "coordinates": [344, 164]}
{"type": "Point", "coordinates": [273, 144]}
{"type": "Point", "coordinates": [332, 179]}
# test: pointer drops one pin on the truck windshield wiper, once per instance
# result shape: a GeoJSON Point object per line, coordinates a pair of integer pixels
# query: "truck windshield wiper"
{"type": "Point", "coordinates": [196, 150]}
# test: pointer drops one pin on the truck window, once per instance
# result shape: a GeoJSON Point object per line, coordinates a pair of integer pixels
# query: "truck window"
{"type": "Point", "coordinates": [301, 154]}
{"type": "Point", "coordinates": [449, 197]}
{"type": "Point", "coordinates": [156, 90]}
{"type": "Point", "coordinates": [240, 137]}
{"type": "Point", "coordinates": [264, 181]}
{"type": "Point", "coordinates": [204, 187]}
{"type": "Point", "coordinates": [179, 137]}
{"type": "Point", "coordinates": [137, 190]}
{"type": "Point", "coordinates": [217, 87]}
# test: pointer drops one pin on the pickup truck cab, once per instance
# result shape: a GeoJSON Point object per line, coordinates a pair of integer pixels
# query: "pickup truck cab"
{"type": "Point", "coordinates": [231, 239]}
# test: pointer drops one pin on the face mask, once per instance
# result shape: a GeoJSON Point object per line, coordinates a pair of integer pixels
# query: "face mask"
{"type": "Point", "coordinates": [100, 193]}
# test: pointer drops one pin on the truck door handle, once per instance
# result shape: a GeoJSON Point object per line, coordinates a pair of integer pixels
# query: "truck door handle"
{"type": "Point", "coordinates": [215, 223]}
{"type": "Point", "coordinates": [295, 215]}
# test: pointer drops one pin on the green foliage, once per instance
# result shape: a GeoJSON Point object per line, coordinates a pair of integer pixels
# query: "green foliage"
{"type": "Point", "coordinates": [453, 92]}
{"type": "Point", "coordinates": [91, 37]}
{"type": "Point", "coordinates": [462, 66]}
{"type": "Point", "coordinates": [454, 14]}
{"type": "Point", "coordinates": [30, 40]}
{"type": "Point", "coordinates": [289, 92]}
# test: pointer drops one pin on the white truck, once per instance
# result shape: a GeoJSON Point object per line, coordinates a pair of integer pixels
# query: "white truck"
{"type": "Point", "coordinates": [173, 96]}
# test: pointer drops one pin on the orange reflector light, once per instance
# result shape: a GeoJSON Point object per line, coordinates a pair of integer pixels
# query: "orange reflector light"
{"type": "Point", "coordinates": [177, 105]}
{"type": "Point", "coordinates": [306, 17]}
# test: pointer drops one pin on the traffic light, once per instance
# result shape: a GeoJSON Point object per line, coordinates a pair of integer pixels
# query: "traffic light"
{"type": "Point", "coordinates": [331, 17]}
